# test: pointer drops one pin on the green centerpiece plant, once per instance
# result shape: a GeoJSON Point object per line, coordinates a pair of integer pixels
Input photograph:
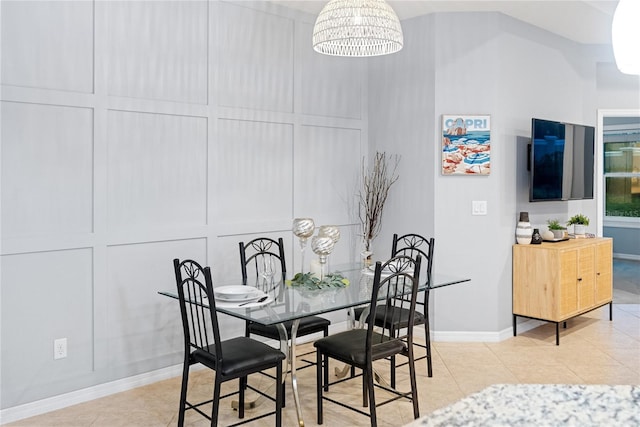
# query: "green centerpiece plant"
{"type": "Point", "coordinates": [310, 282]}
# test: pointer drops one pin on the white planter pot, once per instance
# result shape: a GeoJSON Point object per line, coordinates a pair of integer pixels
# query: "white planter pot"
{"type": "Point", "coordinates": [579, 229]}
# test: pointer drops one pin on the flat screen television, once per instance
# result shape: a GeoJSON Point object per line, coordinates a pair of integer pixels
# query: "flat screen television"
{"type": "Point", "coordinates": [561, 161]}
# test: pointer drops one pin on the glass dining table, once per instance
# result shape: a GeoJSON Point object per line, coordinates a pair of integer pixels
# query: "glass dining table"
{"type": "Point", "coordinates": [293, 303]}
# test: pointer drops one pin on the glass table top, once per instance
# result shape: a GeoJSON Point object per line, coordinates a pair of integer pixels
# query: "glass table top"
{"type": "Point", "coordinates": [290, 302]}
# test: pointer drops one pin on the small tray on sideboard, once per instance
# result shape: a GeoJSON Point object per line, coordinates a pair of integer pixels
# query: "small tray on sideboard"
{"type": "Point", "coordinates": [559, 239]}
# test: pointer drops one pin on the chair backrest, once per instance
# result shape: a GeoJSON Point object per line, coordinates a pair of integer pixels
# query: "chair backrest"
{"type": "Point", "coordinates": [197, 308]}
{"type": "Point", "coordinates": [413, 245]}
{"type": "Point", "coordinates": [396, 282]}
{"type": "Point", "coordinates": [262, 262]}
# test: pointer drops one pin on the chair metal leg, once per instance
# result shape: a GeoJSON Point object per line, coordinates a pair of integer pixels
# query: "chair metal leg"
{"type": "Point", "coordinates": [427, 344]}
{"type": "Point", "coordinates": [414, 386]}
{"type": "Point", "coordinates": [216, 402]}
{"type": "Point", "coordinates": [242, 385]}
{"type": "Point", "coordinates": [284, 394]}
{"type": "Point", "coordinates": [319, 377]}
{"type": "Point", "coordinates": [392, 375]}
{"type": "Point", "coordinates": [326, 365]}
{"type": "Point", "coordinates": [365, 380]}
{"type": "Point", "coordinates": [279, 395]}
{"type": "Point", "coordinates": [183, 393]}
{"type": "Point", "coordinates": [427, 334]}
{"type": "Point", "coordinates": [286, 349]}
{"type": "Point", "coordinates": [372, 398]}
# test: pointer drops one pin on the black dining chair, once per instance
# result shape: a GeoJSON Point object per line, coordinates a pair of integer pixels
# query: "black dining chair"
{"type": "Point", "coordinates": [414, 245]}
{"type": "Point", "coordinates": [230, 359]}
{"type": "Point", "coordinates": [262, 254]}
{"type": "Point", "coordinates": [395, 286]}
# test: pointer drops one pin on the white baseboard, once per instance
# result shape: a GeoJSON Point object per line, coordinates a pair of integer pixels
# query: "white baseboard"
{"type": "Point", "coordinates": [84, 395]}
{"type": "Point", "coordinates": [627, 256]}
{"type": "Point", "coordinates": [442, 336]}
{"type": "Point", "coordinates": [458, 336]}
{"type": "Point", "coordinates": [54, 403]}
{"type": "Point", "coordinates": [479, 336]}
{"type": "Point", "coordinates": [39, 407]}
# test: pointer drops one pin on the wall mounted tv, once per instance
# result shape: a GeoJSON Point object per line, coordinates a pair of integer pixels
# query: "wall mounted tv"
{"type": "Point", "coordinates": [561, 161]}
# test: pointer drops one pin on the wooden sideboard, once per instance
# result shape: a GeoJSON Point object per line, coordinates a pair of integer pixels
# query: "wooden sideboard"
{"type": "Point", "coordinates": [558, 281]}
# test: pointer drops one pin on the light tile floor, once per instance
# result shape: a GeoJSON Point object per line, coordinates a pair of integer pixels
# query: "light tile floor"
{"type": "Point", "coordinates": [592, 350]}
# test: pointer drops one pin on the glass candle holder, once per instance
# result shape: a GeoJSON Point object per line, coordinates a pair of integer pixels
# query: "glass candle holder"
{"type": "Point", "coordinates": [303, 228]}
{"type": "Point", "coordinates": [322, 246]}
{"type": "Point", "coordinates": [333, 232]}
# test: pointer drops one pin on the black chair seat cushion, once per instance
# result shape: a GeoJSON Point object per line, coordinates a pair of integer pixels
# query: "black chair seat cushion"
{"type": "Point", "coordinates": [351, 346]}
{"type": "Point", "coordinates": [308, 325]}
{"type": "Point", "coordinates": [241, 355]}
{"type": "Point", "coordinates": [396, 317]}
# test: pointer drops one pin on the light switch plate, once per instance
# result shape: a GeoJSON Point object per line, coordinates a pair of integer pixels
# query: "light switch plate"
{"type": "Point", "coordinates": [479, 207]}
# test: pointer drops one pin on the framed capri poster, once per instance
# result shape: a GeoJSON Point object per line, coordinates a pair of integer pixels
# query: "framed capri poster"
{"type": "Point", "coordinates": [466, 144]}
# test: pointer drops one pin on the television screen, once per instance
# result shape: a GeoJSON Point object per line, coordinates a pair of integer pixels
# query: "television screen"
{"type": "Point", "coordinates": [562, 161]}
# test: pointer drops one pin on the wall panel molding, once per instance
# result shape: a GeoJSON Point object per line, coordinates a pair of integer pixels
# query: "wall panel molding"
{"type": "Point", "coordinates": [47, 171]}
{"type": "Point", "coordinates": [158, 50]}
{"type": "Point", "coordinates": [43, 285]}
{"type": "Point", "coordinates": [183, 146]}
{"type": "Point", "coordinates": [41, 96]}
{"type": "Point", "coordinates": [157, 171]}
{"type": "Point", "coordinates": [54, 48]}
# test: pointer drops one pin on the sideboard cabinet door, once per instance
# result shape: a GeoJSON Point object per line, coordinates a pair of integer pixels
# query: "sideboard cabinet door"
{"type": "Point", "coordinates": [586, 281]}
{"type": "Point", "coordinates": [604, 272]}
{"type": "Point", "coordinates": [568, 300]}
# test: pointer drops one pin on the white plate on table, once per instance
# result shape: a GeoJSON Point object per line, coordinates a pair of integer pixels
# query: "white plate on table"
{"type": "Point", "coordinates": [251, 303]}
{"type": "Point", "coordinates": [371, 270]}
{"type": "Point", "coordinates": [237, 293]}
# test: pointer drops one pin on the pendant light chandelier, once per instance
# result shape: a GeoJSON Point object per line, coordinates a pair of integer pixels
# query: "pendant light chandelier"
{"type": "Point", "coordinates": [625, 36]}
{"type": "Point", "coordinates": [357, 28]}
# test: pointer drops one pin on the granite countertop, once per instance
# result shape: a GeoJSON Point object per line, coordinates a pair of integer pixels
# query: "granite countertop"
{"type": "Point", "coordinates": [542, 405]}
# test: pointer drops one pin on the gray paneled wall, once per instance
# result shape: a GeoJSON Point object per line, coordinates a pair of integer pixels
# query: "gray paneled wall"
{"type": "Point", "coordinates": [47, 172]}
{"type": "Point", "coordinates": [135, 132]}
{"type": "Point", "coordinates": [478, 63]}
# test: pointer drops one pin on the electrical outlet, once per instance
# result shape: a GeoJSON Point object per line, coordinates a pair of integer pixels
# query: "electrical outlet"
{"type": "Point", "coordinates": [59, 348]}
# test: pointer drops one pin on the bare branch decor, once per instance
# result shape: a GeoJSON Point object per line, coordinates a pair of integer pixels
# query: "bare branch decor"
{"type": "Point", "coordinates": [372, 196]}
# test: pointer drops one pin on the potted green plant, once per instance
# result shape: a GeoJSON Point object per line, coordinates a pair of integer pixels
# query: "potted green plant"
{"type": "Point", "coordinates": [556, 228]}
{"type": "Point", "coordinates": [579, 222]}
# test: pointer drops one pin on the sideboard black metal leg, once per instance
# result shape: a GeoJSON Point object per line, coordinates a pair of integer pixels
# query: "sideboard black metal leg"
{"type": "Point", "coordinates": [564, 324]}
{"type": "Point", "coordinates": [514, 325]}
{"type": "Point", "coordinates": [611, 311]}
{"type": "Point", "coordinates": [557, 333]}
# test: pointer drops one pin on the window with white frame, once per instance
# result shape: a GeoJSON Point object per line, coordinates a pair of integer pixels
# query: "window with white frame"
{"type": "Point", "coordinates": [622, 173]}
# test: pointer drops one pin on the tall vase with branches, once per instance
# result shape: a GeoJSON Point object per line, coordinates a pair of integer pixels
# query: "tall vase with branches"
{"type": "Point", "coordinates": [376, 182]}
